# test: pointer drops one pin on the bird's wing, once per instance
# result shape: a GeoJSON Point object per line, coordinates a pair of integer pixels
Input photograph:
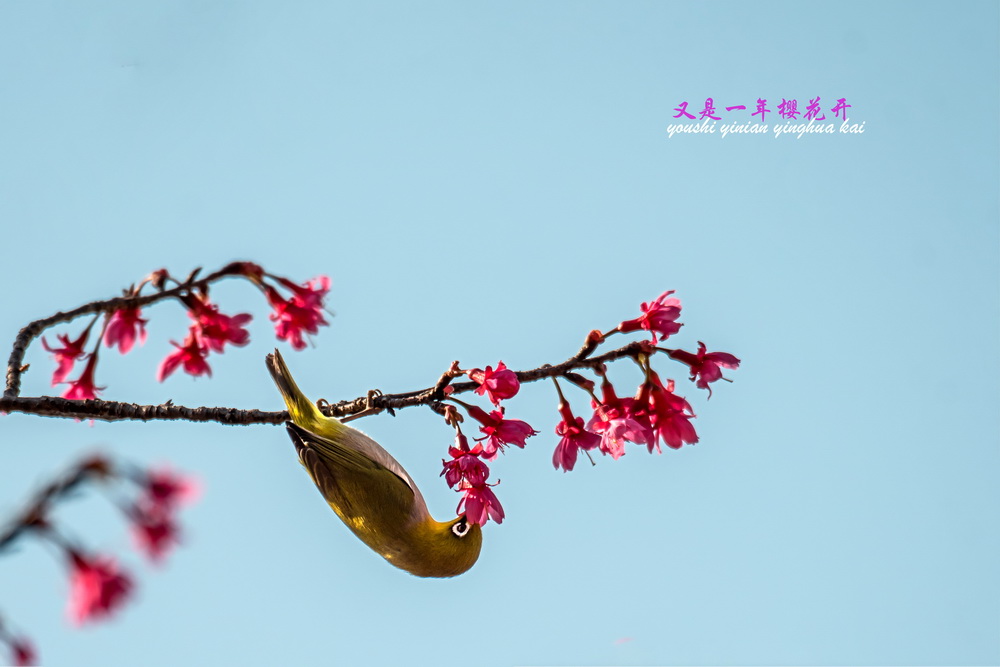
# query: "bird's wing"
{"type": "Point", "coordinates": [323, 458]}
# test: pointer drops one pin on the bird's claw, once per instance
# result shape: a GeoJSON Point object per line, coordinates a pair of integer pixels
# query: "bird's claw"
{"type": "Point", "coordinates": [370, 408]}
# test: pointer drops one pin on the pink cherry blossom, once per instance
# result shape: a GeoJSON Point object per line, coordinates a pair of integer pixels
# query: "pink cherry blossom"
{"type": "Point", "coordinates": [498, 384]}
{"type": "Point", "coordinates": [191, 355]}
{"type": "Point", "coordinates": [669, 416]}
{"type": "Point", "coordinates": [480, 504]}
{"type": "Point", "coordinates": [67, 355]}
{"type": "Point", "coordinates": [499, 431]}
{"type": "Point", "coordinates": [615, 430]}
{"type": "Point", "coordinates": [574, 438]}
{"type": "Point", "coordinates": [216, 329]}
{"type": "Point", "coordinates": [163, 488]}
{"type": "Point", "coordinates": [97, 588]}
{"type": "Point", "coordinates": [83, 388]}
{"type": "Point", "coordinates": [154, 531]}
{"type": "Point", "coordinates": [706, 368]}
{"type": "Point", "coordinates": [465, 466]}
{"type": "Point", "coordinates": [124, 328]}
{"type": "Point", "coordinates": [468, 473]}
{"type": "Point", "coordinates": [312, 294]}
{"type": "Point", "coordinates": [303, 313]}
{"type": "Point", "coordinates": [658, 317]}
{"type": "Point", "coordinates": [613, 421]}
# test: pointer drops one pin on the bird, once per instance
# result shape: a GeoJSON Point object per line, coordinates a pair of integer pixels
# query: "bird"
{"type": "Point", "coordinates": [371, 492]}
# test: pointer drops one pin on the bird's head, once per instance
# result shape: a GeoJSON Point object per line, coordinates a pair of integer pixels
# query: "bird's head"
{"type": "Point", "coordinates": [441, 548]}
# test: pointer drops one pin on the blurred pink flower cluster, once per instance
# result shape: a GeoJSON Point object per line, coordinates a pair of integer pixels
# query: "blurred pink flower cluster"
{"type": "Point", "coordinates": [98, 585]}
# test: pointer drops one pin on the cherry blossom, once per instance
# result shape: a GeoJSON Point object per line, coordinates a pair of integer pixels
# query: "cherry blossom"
{"type": "Point", "coordinates": [658, 317]}
{"type": "Point", "coordinates": [669, 416]}
{"type": "Point", "coordinates": [97, 587]}
{"type": "Point", "coordinates": [164, 488]}
{"type": "Point", "coordinates": [83, 388]}
{"type": "Point", "coordinates": [303, 313]}
{"type": "Point", "coordinates": [216, 329]}
{"type": "Point", "coordinates": [154, 531]}
{"type": "Point", "coordinates": [67, 355]}
{"type": "Point", "coordinates": [613, 421]}
{"type": "Point", "coordinates": [468, 473]}
{"type": "Point", "coordinates": [706, 368]}
{"type": "Point", "coordinates": [498, 384]}
{"type": "Point", "coordinates": [499, 431]}
{"type": "Point", "coordinates": [480, 504]}
{"type": "Point", "coordinates": [574, 438]}
{"type": "Point", "coordinates": [465, 466]}
{"type": "Point", "coordinates": [191, 355]}
{"type": "Point", "coordinates": [124, 328]}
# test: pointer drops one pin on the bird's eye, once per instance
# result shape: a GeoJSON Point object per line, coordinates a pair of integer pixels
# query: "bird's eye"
{"type": "Point", "coordinates": [461, 528]}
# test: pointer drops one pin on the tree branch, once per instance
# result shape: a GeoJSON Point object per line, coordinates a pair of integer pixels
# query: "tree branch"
{"type": "Point", "coordinates": [51, 406]}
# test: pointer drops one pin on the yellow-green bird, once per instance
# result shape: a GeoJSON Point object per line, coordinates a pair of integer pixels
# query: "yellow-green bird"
{"type": "Point", "coordinates": [371, 492]}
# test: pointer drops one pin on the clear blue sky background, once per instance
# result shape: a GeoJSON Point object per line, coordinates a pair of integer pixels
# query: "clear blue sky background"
{"type": "Point", "coordinates": [490, 181]}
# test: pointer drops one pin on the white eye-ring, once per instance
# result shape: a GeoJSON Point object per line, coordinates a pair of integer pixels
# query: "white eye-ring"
{"type": "Point", "coordinates": [461, 528]}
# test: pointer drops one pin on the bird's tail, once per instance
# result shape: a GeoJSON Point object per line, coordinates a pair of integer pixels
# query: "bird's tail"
{"type": "Point", "coordinates": [303, 411]}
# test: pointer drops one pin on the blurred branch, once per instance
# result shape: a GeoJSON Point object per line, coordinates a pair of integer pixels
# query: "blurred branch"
{"type": "Point", "coordinates": [34, 515]}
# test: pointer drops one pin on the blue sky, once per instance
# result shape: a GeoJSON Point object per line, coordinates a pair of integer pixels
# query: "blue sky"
{"type": "Point", "coordinates": [489, 181]}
